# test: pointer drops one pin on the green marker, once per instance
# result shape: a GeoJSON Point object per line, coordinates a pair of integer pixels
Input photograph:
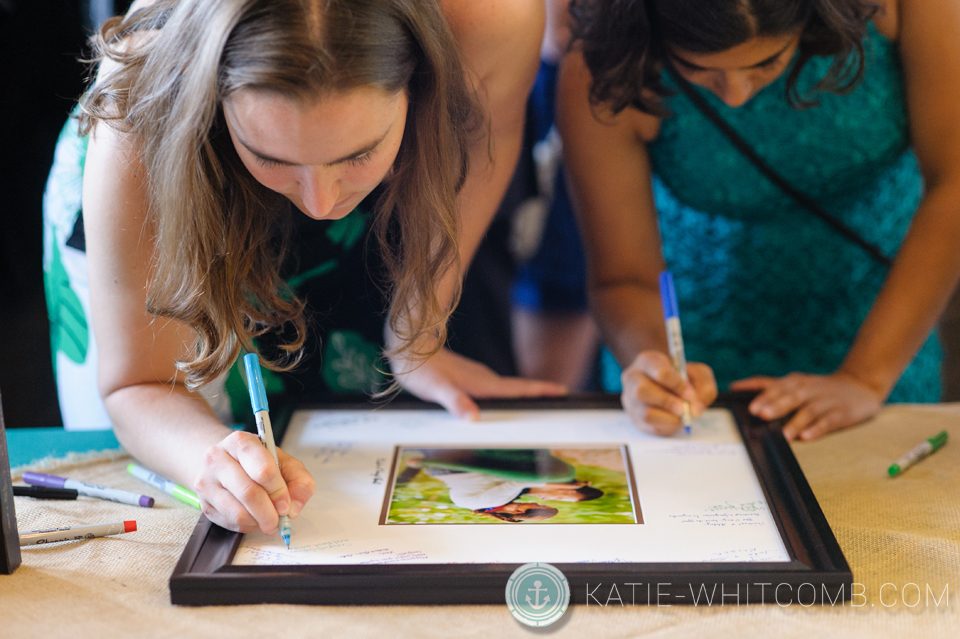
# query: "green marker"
{"type": "Point", "coordinates": [164, 484]}
{"type": "Point", "coordinates": [919, 452]}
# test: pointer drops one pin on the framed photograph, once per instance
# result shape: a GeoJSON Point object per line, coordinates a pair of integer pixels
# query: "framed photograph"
{"type": "Point", "coordinates": [9, 537]}
{"type": "Point", "coordinates": [416, 507]}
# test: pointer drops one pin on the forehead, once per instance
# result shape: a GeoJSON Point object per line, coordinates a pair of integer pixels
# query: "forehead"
{"type": "Point", "coordinates": [744, 55]}
{"type": "Point", "coordinates": [308, 128]}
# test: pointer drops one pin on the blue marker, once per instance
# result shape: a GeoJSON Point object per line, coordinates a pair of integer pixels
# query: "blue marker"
{"type": "Point", "coordinates": [668, 297]}
{"type": "Point", "coordinates": [258, 398]}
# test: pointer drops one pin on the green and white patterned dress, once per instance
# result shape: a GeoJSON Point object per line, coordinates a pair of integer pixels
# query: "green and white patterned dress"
{"type": "Point", "coordinates": [329, 267]}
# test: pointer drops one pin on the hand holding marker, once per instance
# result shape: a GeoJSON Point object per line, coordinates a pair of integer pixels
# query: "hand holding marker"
{"type": "Point", "coordinates": [668, 296]}
{"type": "Point", "coordinates": [258, 398]}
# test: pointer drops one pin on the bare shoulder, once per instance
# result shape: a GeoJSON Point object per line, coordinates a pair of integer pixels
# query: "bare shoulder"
{"type": "Point", "coordinates": [574, 87]}
{"type": "Point", "coordinates": [491, 33]}
{"type": "Point", "coordinates": [114, 177]}
{"type": "Point", "coordinates": [887, 19]}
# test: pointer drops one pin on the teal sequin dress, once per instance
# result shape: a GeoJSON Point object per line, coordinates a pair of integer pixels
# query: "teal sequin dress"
{"type": "Point", "coordinates": [764, 287]}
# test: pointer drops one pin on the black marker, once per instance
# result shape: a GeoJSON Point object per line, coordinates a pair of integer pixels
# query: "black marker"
{"type": "Point", "coordinates": [43, 492]}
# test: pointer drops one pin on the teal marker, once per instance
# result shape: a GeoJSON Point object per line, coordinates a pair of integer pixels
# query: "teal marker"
{"type": "Point", "coordinates": [164, 484]}
{"type": "Point", "coordinates": [258, 398]}
{"type": "Point", "coordinates": [919, 452]}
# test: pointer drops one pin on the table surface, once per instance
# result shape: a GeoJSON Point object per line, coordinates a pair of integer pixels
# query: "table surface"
{"type": "Point", "coordinates": [901, 537]}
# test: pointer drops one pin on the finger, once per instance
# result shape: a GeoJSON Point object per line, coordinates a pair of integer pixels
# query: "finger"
{"type": "Point", "coordinates": [645, 391]}
{"type": "Point", "coordinates": [832, 420]}
{"type": "Point", "coordinates": [299, 482]}
{"type": "Point", "coordinates": [803, 418]}
{"type": "Point", "coordinates": [782, 398]}
{"type": "Point", "coordinates": [251, 475]}
{"type": "Point", "coordinates": [262, 468]}
{"type": "Point", "coordinates": [658, 367]}
{"type": "Point", "coordinates": [454, 401]}
{"type": "Point", "coordinates": [654, 420]}
{"type": "Point", "coordinates": [224, 509]}
{"type": "Point", "coordinates": [519, 387]}
{"type": "Point", "coordinates": [704, 383]}
{"type": "Point", "coordinates": [251, 496]}
{"type": "Point", "coordinates": [755, 383]}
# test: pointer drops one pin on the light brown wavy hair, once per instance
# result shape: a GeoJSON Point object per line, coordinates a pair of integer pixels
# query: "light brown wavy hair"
{"type": "Point", "coordinates": [220, 235]}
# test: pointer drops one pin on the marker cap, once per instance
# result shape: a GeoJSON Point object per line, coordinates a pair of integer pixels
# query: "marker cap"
{"type": "Point", "coordinates": [668, 295]}
{"type": "Point", "coordinates": [40, 479]}
{"type": "Point", "coordinates": [129, 526]}
{"type": "Point", "coordinates": [146, 502]}
{"type": "Point", "coordinates": [938, 440]}
{"type": "Point", "coordinates": [258, 394]}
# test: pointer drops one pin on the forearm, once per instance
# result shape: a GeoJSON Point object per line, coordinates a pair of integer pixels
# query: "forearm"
{"type": "Point", "coordinates": [630, 319]}
{"type": "Point", "coordinates": [914, 295]}
{"type": "Point", "coordinates": [168, 429]}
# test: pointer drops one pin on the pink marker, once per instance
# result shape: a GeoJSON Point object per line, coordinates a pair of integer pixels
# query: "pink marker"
{"type": "Point", "coordinates": [76, 532]}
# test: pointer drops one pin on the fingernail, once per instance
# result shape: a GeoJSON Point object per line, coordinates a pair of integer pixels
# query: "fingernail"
{"type": "Point", "coordinates": [283, 507]}
{"type": "Point", "coordinates": [295, 509]}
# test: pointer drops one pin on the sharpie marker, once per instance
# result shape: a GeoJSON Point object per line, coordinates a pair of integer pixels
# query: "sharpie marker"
{"type": "Point", "coordinates": [668, 296]}
{"type": "Point", "coordinates": [919, 452]}
{"type": "Point", "coordinates": [258, 398]}
{"type": "Point", "coordinates": [42, 492]}
{"type": "Point", "coordinates": [164, 484]}
{"type": "Point", "coordinates": [76, 532]}
{"type": "Point", "coordinates": [89, 490]}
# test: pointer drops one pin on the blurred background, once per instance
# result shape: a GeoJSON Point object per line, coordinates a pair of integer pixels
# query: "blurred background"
{"type": "Point", "coordinates": [41, 43]}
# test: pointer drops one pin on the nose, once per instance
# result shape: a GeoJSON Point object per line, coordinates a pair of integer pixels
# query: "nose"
{"type": "Point", "coordinates": [734, 88]}
{"type": "Point", "coordinates": [319, 191]}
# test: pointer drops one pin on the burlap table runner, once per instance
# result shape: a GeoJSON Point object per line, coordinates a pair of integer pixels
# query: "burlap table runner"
{"type": "Point", "coordinates": [902, 532]}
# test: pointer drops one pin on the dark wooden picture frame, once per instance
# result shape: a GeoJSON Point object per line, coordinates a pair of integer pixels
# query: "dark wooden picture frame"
{"type": "Point", "coordinates": [9, 537]}
{"type": "Point", "coordinates": [816, 573]}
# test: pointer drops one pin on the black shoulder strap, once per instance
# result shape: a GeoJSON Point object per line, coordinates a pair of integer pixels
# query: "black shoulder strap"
{"type": "Point", "coordinates": [794, 193]}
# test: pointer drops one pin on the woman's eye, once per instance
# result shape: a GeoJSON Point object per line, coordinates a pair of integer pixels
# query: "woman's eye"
{"type": "Point", "coordinates": [264, 162]}
{"type": "Point", "coordinates": [360, 160]}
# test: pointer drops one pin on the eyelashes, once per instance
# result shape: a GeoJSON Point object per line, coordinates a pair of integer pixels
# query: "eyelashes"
{"type": "Point", "coordinates": [360, 160]}
{"type": "Point", "coordinates": [264, 162]}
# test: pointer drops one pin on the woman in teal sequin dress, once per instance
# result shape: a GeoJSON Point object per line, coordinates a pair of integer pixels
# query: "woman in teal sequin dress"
{"type": "Point", "coordinates": [765, 288]}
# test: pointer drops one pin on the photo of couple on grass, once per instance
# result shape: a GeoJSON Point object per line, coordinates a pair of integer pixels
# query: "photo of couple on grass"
{"type": "Point", "coordinates": [582, 484]}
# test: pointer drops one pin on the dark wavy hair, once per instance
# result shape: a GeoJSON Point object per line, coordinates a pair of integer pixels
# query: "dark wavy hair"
{"type": "Point", "coordinates": [624, 42]}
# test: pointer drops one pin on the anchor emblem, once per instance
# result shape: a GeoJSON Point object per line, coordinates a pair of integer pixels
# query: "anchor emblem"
{"type": "Point", "coordinates": [536, 589]}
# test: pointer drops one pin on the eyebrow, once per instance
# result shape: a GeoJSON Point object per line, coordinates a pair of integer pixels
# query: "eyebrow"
{"type": "Point", "coordinates": [346, 158]}
{"type": "Point", "coordinates": [763, 62]}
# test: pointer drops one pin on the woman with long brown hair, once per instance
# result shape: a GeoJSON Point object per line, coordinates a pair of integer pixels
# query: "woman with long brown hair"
{"type": "Point", "coordinates": [217, 132]}
{"type": "Point", "coordinates": [796, 164]}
